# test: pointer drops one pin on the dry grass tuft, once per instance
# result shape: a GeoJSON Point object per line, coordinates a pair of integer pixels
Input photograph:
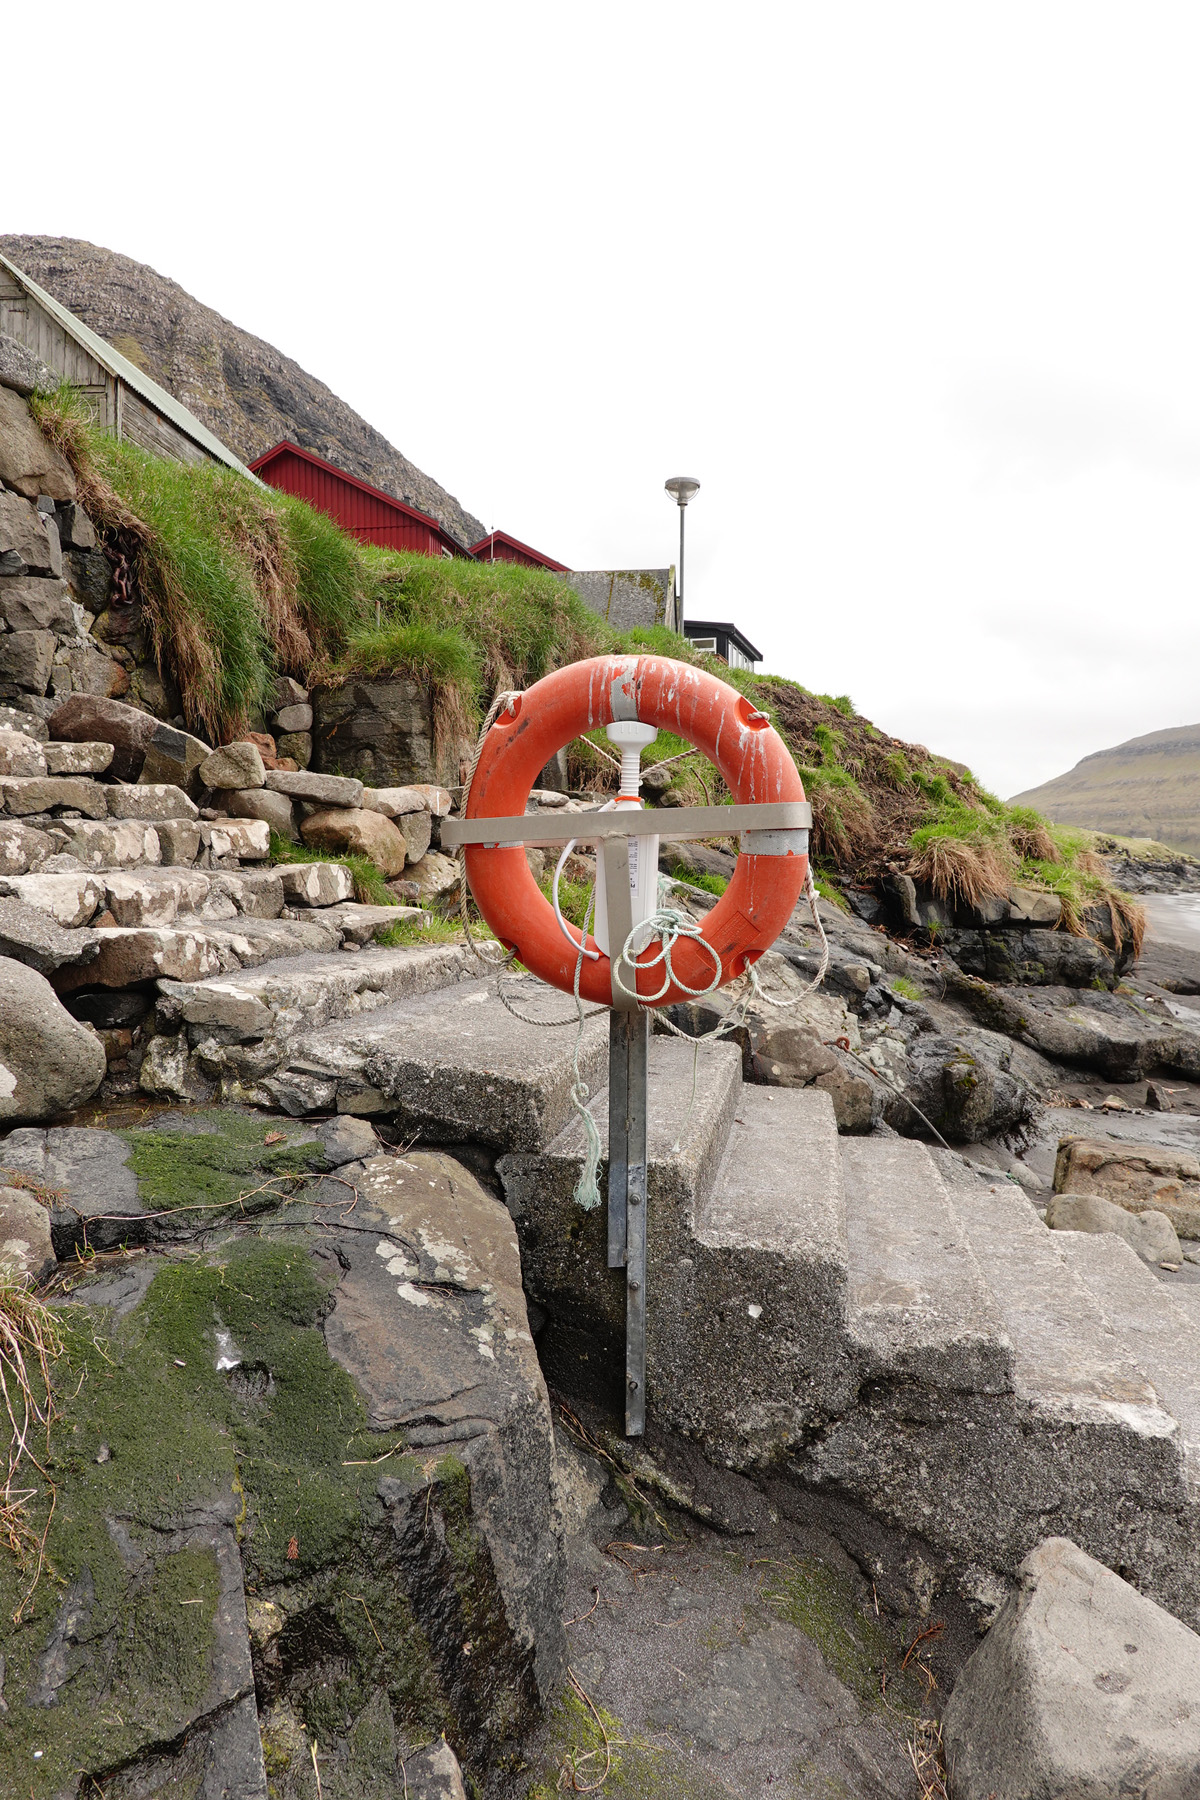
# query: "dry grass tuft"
{"type": "Point", "coordinates": [961, 872]}
{"type": "Point", "coordinates": [925, 1753]}
{"type": "Point", "coordinates": [30, 1341]}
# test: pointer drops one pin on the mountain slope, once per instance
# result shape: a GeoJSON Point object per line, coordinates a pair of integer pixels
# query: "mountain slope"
{"type": "Point", "coordinates": [245, 390]}
{"type": "Point", "coordinates": [1148, 787]}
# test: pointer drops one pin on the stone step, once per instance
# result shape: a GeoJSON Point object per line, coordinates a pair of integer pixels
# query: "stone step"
{"type": "Point", "coordinates": [919, 1308]}
{"type": "Point", "coordinates": [746, 1253]}
{"type": "Point", "coordinates": [452, 1066]}
{"type": "Point", "coordinates": [1162, 1336]}
{"type": "Point", "coordinates": [232, 1036]}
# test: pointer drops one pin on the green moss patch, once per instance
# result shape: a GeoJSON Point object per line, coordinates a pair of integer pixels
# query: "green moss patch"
{"type": "Point", "coordinates": [858, 1649]}
{"type": "Point", "coordinates": [219, 1159]}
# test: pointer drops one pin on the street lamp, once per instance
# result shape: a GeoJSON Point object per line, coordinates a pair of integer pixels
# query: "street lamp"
{"type": "Point", "coordinates": [681, 488]}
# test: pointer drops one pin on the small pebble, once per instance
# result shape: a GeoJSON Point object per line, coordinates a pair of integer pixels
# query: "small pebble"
{"type": "Point", "coordinates": [103, 1454]}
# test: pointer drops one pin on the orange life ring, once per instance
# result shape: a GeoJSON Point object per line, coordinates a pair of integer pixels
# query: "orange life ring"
{"type": "Point", "coordinates": [751, 756]}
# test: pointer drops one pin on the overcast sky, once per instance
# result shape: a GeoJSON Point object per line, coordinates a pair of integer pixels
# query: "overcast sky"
{"type": "Point", "coordinates": [912, 290]}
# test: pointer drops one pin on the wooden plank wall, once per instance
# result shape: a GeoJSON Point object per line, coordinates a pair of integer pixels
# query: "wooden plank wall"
{"type": "Point", "coordinates": [143, 426]}
{"type": "Point", "coordinates": [23, 319]}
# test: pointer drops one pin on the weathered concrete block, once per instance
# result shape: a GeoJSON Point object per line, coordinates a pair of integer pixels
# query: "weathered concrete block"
{"type": "Point", "coordinates": [357, 832]}
{"type": "Point", "coordinates": [179, 840]}
{"type": "Point", "coordinates": [1081, 1687]}
{"type": "Point", "coordinates": [151, 801]}
{"type": "Point", "coordinates": [35, 603]}
{"type": "Point", "coordinates": [47, 793]}
{"type": "Point", "coordinates": [26, 659]}
{"type": "Point", "coordinates": [49, 1064]}
{"type": "Point", "coordinates": [233, 766]}
{"type": "Point", "coordinates": [112, 844]}
{"type": "Point", "coordinates": [249, 839]}
{"type": "Point", "coordinates": [20, 755]}
{"type": "Point", "coordinates": [316, 883]}
{"type": "Point", "coordinates": [70, 899]}
{"type": "Point", "coordinates": [76, 759]}
{"type": "Point", "coordinates": [28, 461]}
{"type": "Point", "coordinates": [319, 790]}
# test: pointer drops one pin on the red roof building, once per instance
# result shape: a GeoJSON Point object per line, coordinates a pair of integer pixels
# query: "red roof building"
{"type": "Point", "coordinates": [497, 546]}
{"type": "Point", "coordinates": [365, 512]}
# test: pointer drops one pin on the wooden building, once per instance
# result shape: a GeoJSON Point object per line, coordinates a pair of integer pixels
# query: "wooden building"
{"type": "Point", "coordinates": [724, 640]}
{"type": "Point", "coordinates": [365, 512]}
{"type": "Point", "coordinates": [498, 546]}
{"type": "Point", "coordinates": [122, 397]}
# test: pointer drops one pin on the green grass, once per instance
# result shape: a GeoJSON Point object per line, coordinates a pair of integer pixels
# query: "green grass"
{"type": "Point", "coordinates": [370, 882]}
{"type": "Point", "coordinates": [406, 933]}
{"type": "Point", "coordinates": [908, 990]}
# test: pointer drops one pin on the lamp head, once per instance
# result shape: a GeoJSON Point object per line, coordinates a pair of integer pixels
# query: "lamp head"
{"type": "Point", "coordinates": [682, 487]}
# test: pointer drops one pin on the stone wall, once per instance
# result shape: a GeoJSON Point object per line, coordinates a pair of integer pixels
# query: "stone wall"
{"type": "Point", "coordinates": [626, 597]}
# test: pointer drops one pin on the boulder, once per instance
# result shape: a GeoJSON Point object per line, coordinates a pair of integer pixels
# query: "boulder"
{"type": "Point", "coordinates": [1030, 958]}
{"type": "Point", "coordinates": [112, 844]}
{"type": "Point", "coordinates": [75, 529]}
{"type": "Point", "coordinates": [154, 896]}
{"type": "Point", "coordinates": [36, 603]}
{"type": "Point", "coordinates": [395, 802]}
{"type": "Point", "coordinates": [1150, 1233]}
{"type": "Point", "coordinates": [27, 545]}
{"type": "Point", "coordinates": [91, 577]}
{"type": "Point", "coordinates": [965, 1087]}
{"type": "Point", "coordinates": [318, 790]}
{"type": "Point", "coordinates": [26, 1247]}
{"type": "Point", "coordinates": [347, 1139]}
{"type": "Point", "coordinates": [91, 718]}
{"type": "Point", "coordinates": [174, 757]}
{"type": "Point", "coordinates": [289, 693]}
{"type": "Point", "coordinates": [128, 955]}
{"type": "Point", "coordinates": [434, 1774]}
{"type": "Point", "coordinates": [22, 370]}
{"type": "Point", "coordinates": [384, 731]}
{"type": "Point", "coordinates": [76, 759]}
{"type": "Point", "coordinates": [434, 877]}
{"type": "Point", "coordinates": [248, 839]}
{"type": "Point", "coordinates": [83, 668]}
{"type": "Point", "coordinates": [257, 893]}
{"type": "Point", "coordinates": [233, 766]}
{"type": "Point", "coordinates": [149, 801]}
{"type": "Point", "coordinates": [69, 899]}
{"type": "Point", "coordinates": [1028, 907]}
{"type": "Point", "coordinates": [22, 847]}
{"type": "Point", "coordinates": [315, 883]}
{"type": "Point", "coordinates": [357, 832]}
{"type": "Point", "coordinates": [262, 803]}
{"type": "Point", "coordinates": [49, 1064]}
{"type": "Point", "coordinates": [296, 747]}
{"type": "Point", "coordinates": [294, 718]}
{"type": "Point", "coordinates": [1138, 1177]}
{"type": "Point", "coordinates": [26, 659]}
{"type": "Point", "coordinates": [20, 755]}
{"type": "Point", "coordinates": [28, 461]}
{"type": "Point", "coordinates": [179, 840]}
{"type": "Point", "coordinates": [15, 718]}
{"type": "Point", "coordinates": [45, 793]}
{"type": "Point", "coordinates": [437, 799]}
{"type": "Point", "coordinates": [1081, 1687]}
{"type": "Point", "coordinates": [30, 935]}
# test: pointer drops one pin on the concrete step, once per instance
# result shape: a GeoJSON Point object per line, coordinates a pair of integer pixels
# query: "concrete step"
{"type": "Point", "coordinates": [919, 1308]}
{"type": "Point", "coordinates": [746, 1255]}
{"type": "Point", "coordinates": [230, 1035]}
{"type": "Point", "coordinates": [1162, 1336]}
{"type": "Point", "coordinates": [450, 1066]}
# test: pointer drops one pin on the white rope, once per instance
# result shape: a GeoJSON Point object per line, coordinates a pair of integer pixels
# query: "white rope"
{"type": "Point", "coordinates": [503, 699]}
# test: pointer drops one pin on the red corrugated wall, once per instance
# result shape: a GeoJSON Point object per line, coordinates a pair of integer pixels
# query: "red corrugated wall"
{"type": "Point", "coordinates": [371, 518]}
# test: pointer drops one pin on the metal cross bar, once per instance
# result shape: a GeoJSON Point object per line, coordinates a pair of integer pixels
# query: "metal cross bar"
{"type": "Point", "coordinates": [667, 822]}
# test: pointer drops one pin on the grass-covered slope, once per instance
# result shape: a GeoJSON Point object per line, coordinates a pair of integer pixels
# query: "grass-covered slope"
{"type": "Point", "coordinates": [240, 583]}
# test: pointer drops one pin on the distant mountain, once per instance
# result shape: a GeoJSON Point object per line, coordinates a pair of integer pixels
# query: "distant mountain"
{"type": "Point", "coordinates": [1149, 787]}
{"type": "Point", "coordinates": [243, 389]}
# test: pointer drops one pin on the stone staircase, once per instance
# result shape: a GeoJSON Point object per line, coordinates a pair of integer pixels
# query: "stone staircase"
{"type": "Point", "coordinates": [863, 1313]}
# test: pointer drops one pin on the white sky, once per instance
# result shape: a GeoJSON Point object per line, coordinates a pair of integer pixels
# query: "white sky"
{"type": "Point", "coordinates": [912, 290]}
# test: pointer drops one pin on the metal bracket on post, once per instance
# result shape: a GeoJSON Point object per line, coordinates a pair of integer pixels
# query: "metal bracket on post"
{"type": "Point", "coordinates": [628, 1074]}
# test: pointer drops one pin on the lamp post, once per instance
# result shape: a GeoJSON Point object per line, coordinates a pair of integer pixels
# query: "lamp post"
{"type": "Point", "coordinates": [681, 488]}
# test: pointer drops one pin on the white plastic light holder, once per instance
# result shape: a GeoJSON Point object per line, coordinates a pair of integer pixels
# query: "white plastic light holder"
{"type": "Point", "coordinates": [630, 737]}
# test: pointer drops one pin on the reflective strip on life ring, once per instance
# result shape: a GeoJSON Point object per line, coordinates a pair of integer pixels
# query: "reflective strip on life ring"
{"type": "Point", "coordinates": [751, 756]}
